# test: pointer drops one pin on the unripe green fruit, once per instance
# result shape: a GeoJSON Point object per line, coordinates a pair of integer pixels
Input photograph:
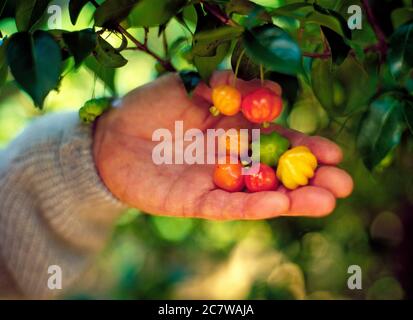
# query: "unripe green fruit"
{"type": "Point", "coordinates": [270, 148]}
{"type": "Point", "coordinates": [94, 108]}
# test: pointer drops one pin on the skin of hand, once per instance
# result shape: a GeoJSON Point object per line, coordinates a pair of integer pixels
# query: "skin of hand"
{"type": "Point", "coordinates": [123, 156]}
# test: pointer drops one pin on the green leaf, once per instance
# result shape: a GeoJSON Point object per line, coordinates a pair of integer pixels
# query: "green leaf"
{"type": "Point", "coordinates": [274, 48]}
{"type": "Point", "coordinates": [400, 55]}
{"type": "Point", "coordinates": [408, 114]}
{"type": "Point", "coordinates": [107, 75]}
{"type": "Point", "coordinates": [206, 42]}
{"type": "Point", "coordinates": [401, 16]}
{"type": "Point", "coordinates": [75, 7]}
{"type": "Point", "coordinates": [330, 19]}
{"type": "Point", "coordinates": [322, 80]}
{"type": "Point", "coordinates": [339, 48]}
{"type": "Point", "coordinates": [3, 4]}
{"type": "Point", "coordinates": [247, 68]}
{"type": "Point", "coordinates": [3, 63]}
{"type": "Point", "coordinates": [35, 62]}
{"type": "Point", "coordinates": [381, 129]}
{"type": "Point", "coordinates": [307, 13]}
{"type": "Point", "coordinates": [108, 56]}
{"type": "Point", "coordinates": [207, 65]}
{"type": "Point", "coordinates": [149, 13]}
{"type": "Point", "coordinates": [112, 12]}
{"type": "Point", "coordinates": [188, 17]}
{"type": "Point", "coordinates": [290, 85]}
{"type": "Point", "coordinates": [28, 12]}
{"type": "Point", "coordinates": [80, 43]}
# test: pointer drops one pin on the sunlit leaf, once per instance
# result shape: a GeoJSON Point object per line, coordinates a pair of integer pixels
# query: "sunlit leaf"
{"type": "Point", "coordinates": [107, 75]}
{"type": "Point", "coordinates": [108, 56]}
{"type": "Point", "coordinates": [149, 13]}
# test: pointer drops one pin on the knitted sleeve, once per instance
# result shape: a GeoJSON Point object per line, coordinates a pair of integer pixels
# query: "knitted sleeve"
{"type": "Point", "coordinates": [54, 209]}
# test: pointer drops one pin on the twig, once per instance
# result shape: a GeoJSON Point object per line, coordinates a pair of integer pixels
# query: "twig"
{"type": "Point", "coordinates": [140, 46]}
{"type": "Point", "coordinates": [322, 55]}
{"type": "Point", "coordinates": [145, 40]}
{"type": "Point", "coordinates": [381, 37]}
{"type": "Point", "coordinates": [214, 10]}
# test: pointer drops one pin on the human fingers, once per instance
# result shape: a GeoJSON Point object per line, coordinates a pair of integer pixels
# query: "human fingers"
{"type": "Point", "coordinates": [335, 180]}
{"type": "Point", "coordinates": [222, 205]}
{"type": "Point", "coordinates": [310, 201]}
{"type": "Point", "coordinates": [326, 151]}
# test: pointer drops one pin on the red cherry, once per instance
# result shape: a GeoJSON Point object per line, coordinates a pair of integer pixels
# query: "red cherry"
{"type": "Point", "coordinates": [229, 176]}
{"type": "Point", "coordinates": [264, 180]}
{"type": "Point", "coordinates": [261, 106]}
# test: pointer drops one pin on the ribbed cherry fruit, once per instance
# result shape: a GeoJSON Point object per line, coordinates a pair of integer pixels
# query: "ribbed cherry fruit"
{"type": "Point", "coordinates": [226, 100]}
{"type": "Point", "coordinates": [264, 180]}
{"type": "Point", "coordinates": [229, 176]}
{"type": "Point", "coordinates": [261, 106]}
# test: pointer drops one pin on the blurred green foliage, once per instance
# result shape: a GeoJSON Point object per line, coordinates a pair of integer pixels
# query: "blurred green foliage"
{"type": "Point", "coordinates": [285, 258]}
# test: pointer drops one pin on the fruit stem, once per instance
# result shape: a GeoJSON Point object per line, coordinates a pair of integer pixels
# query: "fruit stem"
{"type": "Point", "coordinates": [237, 67]}
{"type": "Point", "coordinates": [262, 74]}
{"type": "Point", "coordinates": [265, 124]}
{"type": "Point", "coordinates": [214, 111]}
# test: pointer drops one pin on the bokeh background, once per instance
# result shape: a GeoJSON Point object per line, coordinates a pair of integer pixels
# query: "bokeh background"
{"type": "Point", "coordinates": [286, 258]}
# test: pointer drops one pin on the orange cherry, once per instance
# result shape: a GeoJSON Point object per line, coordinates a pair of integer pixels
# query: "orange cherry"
{"type": "Point", "coordinates": [226, 100]}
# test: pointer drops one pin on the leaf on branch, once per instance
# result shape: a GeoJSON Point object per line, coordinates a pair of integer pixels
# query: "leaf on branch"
{"type": "Point", "coordinates": [112, 12]}
{"type": "Point", "coordinates": [207, 65]}
{"type": "Point", "coordinates": [308, 13]}
{"type": "Point", "coordinates": [381, 128]}
{"type": "Point", "coordinates": [274, 48]}
{"type": "Point", "coordinates": [338, 47]}
{"type": "Point", "coordinates": [28, 12]}
{"type": "Point", "coordinates": [401, 16]}
{"type": "Point", "coordinates": [322, 80]}
{"type": "Point", "coordinates": [75, 7]}
{"type": "Point", "coordinates": [205, 43]}
{"type": "Point", "coordinates": [35, 62]}
{"type": "Point", "coordinates": [247, 68]}
{"type": "Point", "coordinates": [338, 87]}
{"type": "Point", "coordinates": [107, 75]}
{"type": "Point", "coordinates": [408, 113]}
{"type": "Point", "coordinates": [3, 63]}
{"type": "Point", "coordinates": [80, 44]}
{"type": "Point", "coordinates": [400, 55]}
{"type": "Point", "coordinates": [107, 55]}
{"type": "Point", "coordinates": [150, 13]}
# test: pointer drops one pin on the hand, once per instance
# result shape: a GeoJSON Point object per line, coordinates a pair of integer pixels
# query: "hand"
{"type": "Point", "coordinates": [123, 155]}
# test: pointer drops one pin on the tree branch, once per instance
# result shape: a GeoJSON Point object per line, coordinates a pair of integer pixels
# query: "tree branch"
{"type": "Point", "coordinates": [381, 37]}
{"type": "Point", "coordinates": [215, 11]}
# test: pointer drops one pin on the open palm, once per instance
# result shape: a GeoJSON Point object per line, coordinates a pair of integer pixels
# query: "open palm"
{"type": "Point", "coordinates": [123, 155]}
